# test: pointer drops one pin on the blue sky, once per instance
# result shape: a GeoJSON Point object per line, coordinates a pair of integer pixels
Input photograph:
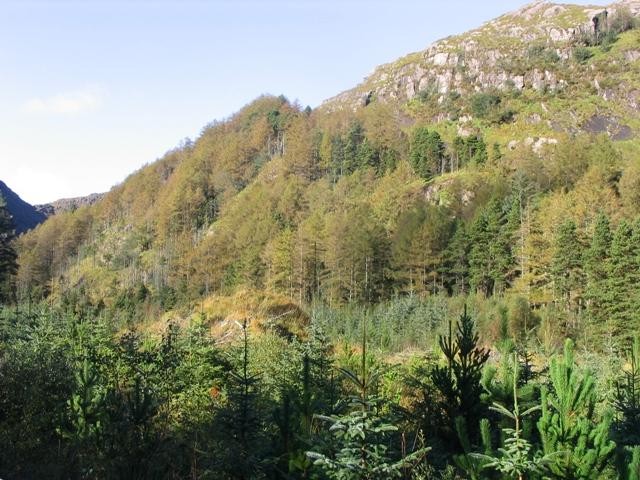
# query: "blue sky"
{"type": "Point", "coordinates": [91, 90]}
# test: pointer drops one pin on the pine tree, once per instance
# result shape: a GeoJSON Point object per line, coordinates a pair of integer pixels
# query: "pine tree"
{"type": "Point", "coordinates": [479, 277]}
{"type": "Point", "coordinates": [361, 436]}
{"type": "Point", "coordinates": [367, 155]}
{"type": "Point", "coordinates": [8, 257]}
{"type": "Point", "coordinates": [626, 403]}
{"type": "Point", "coordinates": [241, 452]}
{"type": "Point", "coordinates": [86, 416]}
{"type": "Point", "coordinates": [456, 260]}
{"type": "Point", "coordinates": [623, 276]}
{"type": "Point", "coordinates": [417, 248]}
{"type": "Point", "coordinates": [490, 259]}
{"type": "Point", "coordinates": [566, 266]}
{"type": "Point", "coordinates": [470, 150]}
{"type": "Point", "coordinates": [515, 459]}
{"type": "Point", "coordinates": [459, 382]}
{"type": "Point", "coordinates": [595, 267]}
{"type": "Point", "coordinates": [353, 141]}
{"type": "Point", "coordinates": [426, 152]}
{"type": "Point", "coordinates": [633, 467]}
{"type": "Point", "coordinates": [501, 258]}
{"type": "Point", "coordinates": [569, 427]}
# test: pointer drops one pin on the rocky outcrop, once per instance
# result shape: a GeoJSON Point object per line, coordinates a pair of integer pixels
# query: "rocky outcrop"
{"type": "Point", "coordinates": [518, 50]}
{"type": "Point", "coordinates": [68, 204]}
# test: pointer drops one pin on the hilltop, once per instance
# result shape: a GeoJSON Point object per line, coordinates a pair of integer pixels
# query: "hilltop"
{"type": "Point", "coordinates": [528, 49]}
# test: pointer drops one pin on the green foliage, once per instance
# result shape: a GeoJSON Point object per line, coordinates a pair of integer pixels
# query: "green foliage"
{"type": "Point", "coordinates": [482, 104]}
{"type": "Point", "coordinates": [384, 216]}
{"type": "Point", "coordinates": [569, 425]}
{"type": "Point", "coordinates": [456, 259]}
{"type": "Point", "coordinates": [633, 467]}
{"type": "Point", "coordinates": [35, 383]}
{"type": "Point", "coordinates": [596, 259]}
{"type": "Point", "coordinates": [582, 54]}
{"type": "Point", "coordinates": [487, 106]}
{"type": "Point", "coordinates": [470, 150]}
{"type": "Point", "coordinates": [241, 451]}
{"type": "Point", "coordinates": [542, 55]}
{"type": "Point", "coordinates": [458, 383]}
{"type": "Point", "coordinates": [360, 435]}
{"type": "Point", "coordinates": [515, 459]}
{"type": "Point", "coordinates": [626, 403]}
{"type": "Point", "coordinates": [426, 152]}
{"type": "Point", "coordinates": [420, 238]}
{"type": "Point", "coordinates": [623, 273]}
{"type": "Point", "coordinates": [566, 266]}
{"type": "Point", "coordinates": [8, 264]}
{"type": "Point", "coordinates": [490, 258]}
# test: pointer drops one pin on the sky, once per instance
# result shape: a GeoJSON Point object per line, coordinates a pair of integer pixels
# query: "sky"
{"type": "Point", "coordinates": [91, 90]}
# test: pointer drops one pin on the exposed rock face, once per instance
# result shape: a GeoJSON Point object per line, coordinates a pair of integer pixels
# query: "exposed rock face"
{"type": "Point", "coordinates": [609, 125]}
{"type": "Point", "coordinates": [68, 204]}
{"type": "Point", "coordinates": [489, 57]}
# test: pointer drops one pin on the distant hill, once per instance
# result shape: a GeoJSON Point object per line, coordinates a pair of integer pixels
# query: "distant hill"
{"type": "Point", "coordinates": [25, 215]}
{"type": "Point", "coordinates": [68, 204]}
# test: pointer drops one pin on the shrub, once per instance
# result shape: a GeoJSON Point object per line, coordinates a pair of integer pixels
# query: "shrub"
{"type": "Point", "coordinates": [581, 54]}
{"type": "Point", "coordinates": [482, 104]}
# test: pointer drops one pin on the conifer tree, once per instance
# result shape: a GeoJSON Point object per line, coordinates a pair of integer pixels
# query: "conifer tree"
{"type": "Point", "coordinates": [569, 426]}
{"type": "Point", "coordinates": [490, 259]}
{"type": "Point", "coordinates": [427, 152]}
{"type": "Point", "coordinates": [86, 411]}
{"type": "Point", "coordinates": [337, 158]}
{"type": "Point", "coordinates": [566, 266]}
{"type": "Point", "coordinates": [479, 277]}
{"type": "Point", "coordinates": [361, 436]}
{"type": "Point", "coordinates": [516, 458]}
{"type": "Point", "coordinates": [623, 275]}
{"type": "Point", "coordinates": [353, 141]}
{"type": "Point", "coordinates": [459, 382]}
{"type": "Point", "coordinates": [241, 451]}
{"type": "Point", "coordinates": [595, 266]}
{"type": "Point", "coordinates": [417, 247]}
{"type": "Point", "coordinates": [626, 403]}
{"type": "Point", "coordinates": [633, 467]}
{"type": "Point", "coordinates": [501, 257]}
{"type": "Point", "coordinates": [456, 259]}
{"type": "Point", "coordinates": [8, 264]}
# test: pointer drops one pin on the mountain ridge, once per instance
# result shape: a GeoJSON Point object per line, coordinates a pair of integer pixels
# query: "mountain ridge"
{"type": "Point", "coordinates": [26, 216]}
{"type": "Point", "coordinates": [473, 58]}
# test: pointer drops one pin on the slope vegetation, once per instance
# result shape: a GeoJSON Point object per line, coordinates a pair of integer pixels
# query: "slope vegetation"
{"type": "Point", "coordinates": [467, 168]}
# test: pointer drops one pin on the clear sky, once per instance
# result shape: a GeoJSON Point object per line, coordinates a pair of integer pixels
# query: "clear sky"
{"type": "Point", "coordinates": [90, 90]}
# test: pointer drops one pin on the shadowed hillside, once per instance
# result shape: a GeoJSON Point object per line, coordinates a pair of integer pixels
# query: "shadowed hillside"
{"type": "Point", "coordinates": [25, 216]}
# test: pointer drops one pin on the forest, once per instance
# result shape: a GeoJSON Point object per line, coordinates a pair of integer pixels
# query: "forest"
{"type": "Point", "coordinates": [372, 293]}
{"type": "Point", "coordinates": [402, 323]}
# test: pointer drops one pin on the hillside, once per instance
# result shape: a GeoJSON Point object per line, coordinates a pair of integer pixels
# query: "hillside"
{"type": "Point", "coordinates": [527, 50]}
{"type": "Point", "coordinates": [499, 136]}
{"type": "Point", "coordinates": [432, 276]}
{"type": "Point", "coordinates": [25, 216]}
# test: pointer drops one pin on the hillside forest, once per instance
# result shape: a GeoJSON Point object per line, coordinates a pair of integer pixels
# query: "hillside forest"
{"type": "Point", "coordinates": [369, 293]}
